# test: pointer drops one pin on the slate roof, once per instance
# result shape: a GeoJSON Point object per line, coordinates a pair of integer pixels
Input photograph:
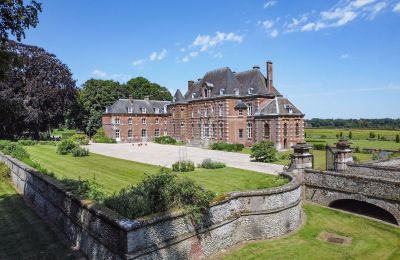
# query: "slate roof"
{"type": "Point", "coordinates": [178, 96]}
{"type": "Point", "coordinates": [121, 106]}
{"type": "Point", "coordinates": [280, 106]}
{"type": "Point", "coordinates": [240, 105]}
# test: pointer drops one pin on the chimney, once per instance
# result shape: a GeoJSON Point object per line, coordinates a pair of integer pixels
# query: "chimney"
{"type": "Point", "coordinates": [130, 98]}
{"type": "Point", "coordinates": [269, 76]}
{"type": "Point", "coordinates": [190, 84]}
{"type": "Point", "coordinates": [256, 67]}
{"type": "Point", "coordinates": [146, 98]}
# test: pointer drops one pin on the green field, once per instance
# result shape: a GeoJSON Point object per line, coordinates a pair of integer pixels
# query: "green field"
{"type": "Point", "coordinates": [370, 239]}
{"type": "Point", "coordinates": [114, 174]}
{"type": "Point", "coordinates": [23, 235]}
{"type": "Point", "coordinates": [361, 134]}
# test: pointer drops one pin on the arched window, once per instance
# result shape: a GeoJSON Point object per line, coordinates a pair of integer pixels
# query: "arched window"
{"type": "Point", "coordinates": [266, 131]}
{"type": "Point", "coordinates": [285, 129]}
{"type": "Point", "coordinates": [297, 129]}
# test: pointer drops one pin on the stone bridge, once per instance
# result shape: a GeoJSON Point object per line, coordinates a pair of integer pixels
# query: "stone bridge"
{"type": "Point", "coordinates": [371, 189]}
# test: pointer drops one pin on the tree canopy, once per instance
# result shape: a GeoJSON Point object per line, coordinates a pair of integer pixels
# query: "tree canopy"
{"type": "Point", "coordinates": [140, 87]}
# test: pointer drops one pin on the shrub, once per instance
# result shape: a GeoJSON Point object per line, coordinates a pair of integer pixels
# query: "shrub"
{"type": "Point", "coordinates": [264, 151]}
{"type": "Point", "coordinates": [39, 167]}
{"type": "Point", "coordinates": [356, 159]}
{"type": "Point", "coordinates": [320, 146]}
{"type": "Point", "coordinates": [371, 135]}
{"type": "Point", "coordinates": [79, 152]}
{"type": "Point", "coordinates": [350, 135]}
{"type": "Point", "coordinates": [210, 164]}
{"type": "Point", "coordinates": [15, 150]}
{"type": "Point", "coordinates": [183, 166]}
{"type": "Point", "coordinates": [357, 149]}
{"type": "Point", "coordinates": [284, 156]}
{"type": "Point", "coordinates": [27, 142]}
{"type": "Point", "coordinates": [66, 146]}
{"type": "Point", "coordinates": [397, 138]}
{"type": "Point", "coordinates": [223, 146]}
{"type": "Point", "coordinates": [100, 137]}
{"type": "Point", "coordinates": [66, 135]}
{"type": "Point", "coordinates": [165, 140]}
{"type": "Point", "coordinates": [81, 139]}
{"type": "Point", "coordinates": [85, 189]}
{"type": "Point", "coordinates": [161, 192]}
{"type": "Point", "coordinates": [4, 172]}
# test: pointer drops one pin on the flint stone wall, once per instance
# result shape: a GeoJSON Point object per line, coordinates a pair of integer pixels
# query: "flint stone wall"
{"type": "Point", "coordinates": [325, 187]}
{"type": "Point", "coordinates": [102, 234]}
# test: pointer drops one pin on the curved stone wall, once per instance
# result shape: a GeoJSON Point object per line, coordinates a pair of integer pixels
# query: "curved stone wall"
{"type": "Point", "coordinates": [102, 234]}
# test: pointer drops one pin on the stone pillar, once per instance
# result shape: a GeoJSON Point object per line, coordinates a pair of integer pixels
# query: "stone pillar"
{"type": "Point", "coordinates": [302, 158]}
{"type": "Point", "coordinates": [343, 155]}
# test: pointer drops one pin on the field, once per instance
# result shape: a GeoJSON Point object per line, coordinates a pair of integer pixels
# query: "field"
{"type": "Point", "coordinates": [23, 235]}
{"type": "Point", "coordinates": [362, 134]}
{"type": "Point", "coordinates": [370, 239]}
{"type": "Point", "coordinates": [114, 174]}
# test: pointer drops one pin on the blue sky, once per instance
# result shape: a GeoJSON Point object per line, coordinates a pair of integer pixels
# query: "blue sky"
{"type": "Point", "coordinates": [333, 59]}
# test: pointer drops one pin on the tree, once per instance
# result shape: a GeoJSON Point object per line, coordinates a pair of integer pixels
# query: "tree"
{"type": "Point", "coordinates": [140, 87]}
{"type": "Point", "coordinates": [397, 138]}
{"type": "Point", "coordinates": [37, 92]}
{"type": "Point", "coordinates": [350, 135]}
{"type": "Point", "coordinates": [264, 151]}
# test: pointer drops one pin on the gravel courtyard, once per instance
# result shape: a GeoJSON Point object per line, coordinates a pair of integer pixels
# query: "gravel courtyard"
{"type": "Point", "coordinates": [166, 155]}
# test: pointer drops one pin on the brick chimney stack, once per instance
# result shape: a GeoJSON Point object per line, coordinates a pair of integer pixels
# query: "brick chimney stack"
{"type": "Point", "coordinates": [269, 76]}
{"type": "Point", "coordinates": [190, 84]}
{"type": "Point", "coordinates": [146, 98]}
{"type": "Point", "coordinates": [130, 98]}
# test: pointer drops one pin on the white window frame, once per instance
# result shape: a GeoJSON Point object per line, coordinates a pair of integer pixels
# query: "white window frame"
{"type": "Point", "coordinates": [157, 132]}
{"type": "Point", "coordinates": [249, 109]}
{"type": "Point", "coordinates": [130, 110]}
{"type": "Point", "coordinates": [240, 112]}
{"type": "Point", "coordinates": [157, 121]}
{"type": "Point", "coordinates": [117, 134]}
{"type": "Point", "coordinates": [130, 121]}
{"type": "Point", "coordinates": [130, 133]}
{"type": "Point", "coordinates": [117, 121]}
{"type": "Point", "coordinates": [143, 110]}
{"type": "Point", "coordinates": [249, 130]}
{"type": "Point", "coordinates": [144, 130]}
{"type": "Point", "coordinates": [144, 121]}
{"type": "Point", "coordinates": [156, 110]}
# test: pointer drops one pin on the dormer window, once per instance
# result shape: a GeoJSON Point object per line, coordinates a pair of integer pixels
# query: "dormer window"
{"type": "Point", "coordinates": [193, 95]}
{"type": "Point", "coordinates": [143, 110]}
{"type": "Point", "coordinates": [250, 90]}
{"type": "Point", "coordinates": [236, 91]}
{"type": "Point", "coordinates": [156, 110]}
{"type": "Point", "coordinates": [222, 91]}
{"type": "Point", "coordinates": [289, 108]}
{"type": "Point", "coordinates": [165, 108]}
{"type": "Point", "coordinates": [130, 110]}
{"type": "Point", "coordinates": [206, 92]}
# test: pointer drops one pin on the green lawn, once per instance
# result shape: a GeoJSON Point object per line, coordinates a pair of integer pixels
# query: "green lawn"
{"type": "Point", "coordinates": [357, 133]}
{"type": "Point", "coordinates": [23, 235]}
{"type": "Point", "coordinates": [114, 174]}
{"type": "Point", "coordinates": [371, 239]}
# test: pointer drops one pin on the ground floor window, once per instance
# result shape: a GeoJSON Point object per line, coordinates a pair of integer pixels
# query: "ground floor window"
{"type": "Point", "coordinates": [117, 134]}
{"type": "Point", "coordinates": [206, 130]}
{"type": "Point", "coordinates": [297, 130]}
{"type": "Point", "coordinates": [144, 133]}
{"type": "Point", "coordinates": [157, 132]}
{"type": "Point", "coordinates": [130, 133]}
{"type": "Point", "coordinates": [221, 131]}
{"type": "Point", "coordinates": [249, 130]}
{"type": "Point", "coordinates": [266, 130]}
{"type": "Point", "coordinates": [240, 133]}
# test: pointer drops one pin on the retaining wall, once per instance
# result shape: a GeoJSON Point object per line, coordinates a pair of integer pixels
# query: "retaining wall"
{"type": "Point", "coordinates": [102, 234]}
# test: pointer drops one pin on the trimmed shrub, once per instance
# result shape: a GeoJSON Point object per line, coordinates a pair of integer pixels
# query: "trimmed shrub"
{"type": "Point", "coordinates": [264, 151]}
{"type": "Point", "coordinates": [165, 140]}
{"type": "Point", "coordinates": [100, 137]}
{"type": "Point", "coordinates": [397, 138]}
{"type": "Point", "coordinates": [223, 146]}
{"type": "Point", "coordinates": [210, 164]}
{"type": "Point", "coordinates": [79, 152]}
{"type": "Point", "coordinates": [81, 139]}
{"type": "Point", "coordinates": [27, 142]}
{"type": "Point", "coordinates": [66, 146]}
{"type": "Point", "coordinates": [159, 193]}
{"type": "Point", "coordinates": [320, 147]}
{"type": "Point", "coordinates": [371, 135]}
{"type": "Point", "coordinates": [14, 149]}
{"type": "Point", "coordinates": [85, 189]}
{"type": "Point", "coordinates": [5, 172]}
{"type": "Point", "coordinates": [183, 166]}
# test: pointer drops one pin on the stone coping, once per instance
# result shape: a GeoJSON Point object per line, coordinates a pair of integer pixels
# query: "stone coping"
{"type": "Point", "coordinates": [374, 165]}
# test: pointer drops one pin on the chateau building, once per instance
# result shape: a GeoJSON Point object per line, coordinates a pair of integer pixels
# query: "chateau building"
{"type": "Point", "coordinates": [243, 107]}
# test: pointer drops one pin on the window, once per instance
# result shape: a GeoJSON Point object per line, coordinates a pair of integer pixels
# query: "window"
{"type": "Point", "coordinates": [144, 133]}
{"type": "Point", "coordinates": [143, 110]}
{"type": "Point", "coordinates": [250, 90]}
{"type": "Point", "coordinates": [130, 133]}
{"type": "Point", "coordinates": [236, 91]}
{"type": "Point", "coordinates": [157, 132]}
{"type": "Point", "coordinates": [206, 130]}
{"type": "Point", "coordinates": [130, 110]}
{"type": "Point", "coordinates": [266, 130]}
{"type": "Point", "coordinates": [285, 129]}
{"type": "Point", "coordinates": [214, 130]}
{"type": "Point", "coordinates": [144, 121]}
{"type": "Point", "coordinates": [117, 121]}
{"type": "Point", "coordinates": [240, 133]}
{"type": "Point", "coordinates": [130, 121]}
{"type": "Point", "coordinates": [206, 112]}
{"type": "Point", "coordinates": [249, 109]}
{"type": "Point", "coordinates": [117, 135]}
{"type": "Point", "coordinates": [297, 129]}
{"type": "Point", "coordinates": [192, 113]}
{"type": "Point", "coordinates": [206, 92]}
{"type": "Point", "coordinates": [222, 91]}
{"type": "Point", "coordinates": [182, 124]}
{"type": "Point", "coordinates": [157, 120]}
{"type": "Point", "coordinates": [192, 130]}
{"type": "Point", "coordinates": [249, 130]}
{"type": "Point", "coordinates": [221, 130]}
{"type": "Point", "coordinates": [193, 95]}
{"type": "Point", "coordinates": [220, 110]}
{"type": "Point", "coordinates": [156, 110]}
{"type": "Point", "coordinates": [240, 112]}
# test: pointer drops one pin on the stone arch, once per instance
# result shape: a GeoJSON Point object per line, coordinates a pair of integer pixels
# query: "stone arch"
{"type": "Point", "coordinates": [365, 208]}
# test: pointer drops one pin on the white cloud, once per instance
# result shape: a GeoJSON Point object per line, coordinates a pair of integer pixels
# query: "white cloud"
{"type": "Point", "coordinates": [182, 49]}
{"type": "Point", "coordinates": [206, 42]}
{"type": "Point", "coordinates": [274, 33]}
{"type": "Point", "coordinates": [158, 55]}
{"type": "Point", "coordinates": [138, 62]}
{"type": "Point", "coordinates": [376, 9]}
{"type": "Point", "coordinates": [269, 4]}
{"type": "Point", "coordinates": [185, 59]}
{"type": "Point", "coordinates": [361, 3]}
{"type": "Point", "coordinates": [193, 54]}
{"type": "Point", "coordinates": [344, 56]}
{"type": "Point", "coordinates": [217, 55]}
{"type": "Point", "coordinates": [99, 74]}
{"type": "Point", "coordinates": [396, 8]}
{"type": "Point", "coordinates": [267, 24]}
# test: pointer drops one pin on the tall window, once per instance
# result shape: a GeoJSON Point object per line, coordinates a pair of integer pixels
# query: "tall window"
{"type": "Point", "coordinates": [129, 109]}
{"type": "Point", "coordinates": [220, 110]}
{"type": "Point", "coordinates": [297, 129]}
{"type": "Point", "coordinates": [117, 135]}
{"type": "Point", "coordinates": [214, 130]}
{"type": "Point", "coordinates": [144, 133]}
{"type": "Point", "coordinates": [206, 111]}
{"type": "Point", "coordinates": [249, 130]}
{"type": "Point", "coordinates": [192, 113]}
{"type": "Point", "coordinates": [129, 121]}
{"type": "Point", "coordinates": [130, 133]}
{"type": "Point", "coordinates": [206, 92]}
{"type": "Point", "coordinates": [206, 130]}
{"type": "Point", "coordinates": [156, 110]}
{"type": "Point", "coordinates": [144, 121]}
{"type": "Point", "coordinates": [266, 130]}
{"type": "Point", "coordinates": [240, 133]}
{"type": "Point", "coordinates": [157, 120]}
{"type": "Point", "coordinates": [143, 109]}
{"type": "Point", "coordinates": [117, 121]}
{"type": "Point", "coordinates": [222, 91]}
{"type": "Point", "coordinates": [285, 129]}
{"type": "Point", "coordinates": [249, 109]}
{"type": "Point", "coordinates": [221, 130]}
{"type": "Point", "coordinates": [157, 132]}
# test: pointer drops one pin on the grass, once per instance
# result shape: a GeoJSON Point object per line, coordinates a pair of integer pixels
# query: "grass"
{"type": "Point", "coordinates": [23, 235]}
{"type": "Point", "coordinates": [114, 174]}
{"type": "Point", "coordinates": [371, 239]}
{"type": "Point", "coordinates": [357, 133]}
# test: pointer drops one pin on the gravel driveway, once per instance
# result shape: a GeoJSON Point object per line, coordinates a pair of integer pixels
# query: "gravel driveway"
{"type": "Point", "coordinates": [166, 155]}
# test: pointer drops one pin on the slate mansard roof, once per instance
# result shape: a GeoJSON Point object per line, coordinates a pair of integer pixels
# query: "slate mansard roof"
{"type": "Point", "coordinates": [280, 106]}
{"type": "Point", "coordinates": [122, 106]}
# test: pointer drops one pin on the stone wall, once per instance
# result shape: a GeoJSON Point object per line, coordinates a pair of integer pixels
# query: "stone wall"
{"type": "Point", "coordinates": [102, 234]}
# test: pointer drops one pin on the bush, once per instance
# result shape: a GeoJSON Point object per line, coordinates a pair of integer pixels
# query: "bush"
{"type": "Point", "coordinates": [100, 137]}
{"type": "Point", "coordinates": [210, 164]}
{"type": "Point", "coordinates": [79, 152]}
{"type": "Point", "coordinates": [165, 140]}
{"type": "Point", "coordinates": [320, 147]}
{"type": "Point", "coordinates": [264, 151]}
{"type": "Point", "coordinates": [15, 150]}
{"type": "Point", "coordinates": [183, 166]}
{"type": "Point", "coordinates": [85, 189]}
{"type": "Point", "coordinates": [284, 156]}
{"type": "Point", "coordinates": [81, 139]}
{"type": "Point", "coordinates": [161, 192]}
{"type": "Point", "coordinates": [66, 146]}
{"type": "Point", "coordinates": [223, 146]}
{"type": "Point", "coordinates": [356, 159]}
{"type": "Point", "coordinates": [397, 138]}
{"type": "Point", "coordinates": [371, 135]}
{"type": "Point", "coordinates": [4, 172]}
{"type": "Point", "coordinates": [357, 149]}
{"type": "Point", "coordinates": [67, 135]}
{"type": "Point", "coordinates": [27, 142]}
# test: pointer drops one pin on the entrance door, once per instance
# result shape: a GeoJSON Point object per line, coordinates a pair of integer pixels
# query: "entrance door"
{"type": "Point", "coordinates": [117, 136]}
{"type": "Point", "coordinates": [285, 143]}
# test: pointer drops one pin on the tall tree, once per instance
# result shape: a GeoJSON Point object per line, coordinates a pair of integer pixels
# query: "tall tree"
{"type": "Point", "coordinates": [140, 87]}
{"type": "Point", "coordinates": [37, 92]}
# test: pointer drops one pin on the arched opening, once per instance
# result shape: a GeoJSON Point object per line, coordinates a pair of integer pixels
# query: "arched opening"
{"type": "Point", "coordinates": [364, 208]}
{"type": "Point", "coordinates": [266, 131]}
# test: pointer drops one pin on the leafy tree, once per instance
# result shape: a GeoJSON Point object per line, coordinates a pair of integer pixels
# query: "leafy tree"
{"type": "Point", "coordinates": [140, 87]}
{"type": "Point", "coordinates": [37, 92]}
{"type": "Point", "coordinates": [264, 151]}
{"type": "Point", "coordinates": [350, 135]}
{"type": "Point", "coordinates": [397, 138]}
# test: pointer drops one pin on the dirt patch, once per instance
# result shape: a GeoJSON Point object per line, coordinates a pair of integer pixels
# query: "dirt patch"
{"type": "Point", "coordinates": [334, 238]}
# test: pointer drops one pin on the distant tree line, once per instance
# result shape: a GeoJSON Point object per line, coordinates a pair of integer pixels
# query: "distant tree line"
{"type": "Point", "coordinates": [383, 123]}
